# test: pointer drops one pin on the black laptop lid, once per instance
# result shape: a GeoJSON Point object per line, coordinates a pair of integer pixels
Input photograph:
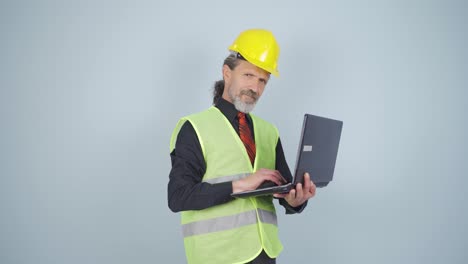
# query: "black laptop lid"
{"type": "Point", "coordinates": [318, 149]}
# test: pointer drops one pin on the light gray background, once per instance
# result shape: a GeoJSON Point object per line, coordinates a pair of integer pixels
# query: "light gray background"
{"type": "Point", "coordinates": [91, 90]}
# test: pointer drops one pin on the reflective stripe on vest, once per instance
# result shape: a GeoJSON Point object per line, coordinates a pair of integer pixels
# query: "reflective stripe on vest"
{"type": "Point", "coordinates": [228, 222]}
{"type": "Point", "coordinates": [227, 178]}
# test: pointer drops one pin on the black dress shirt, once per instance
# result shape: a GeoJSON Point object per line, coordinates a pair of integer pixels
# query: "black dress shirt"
{"type": "Point", "coordinates": [186, 191]}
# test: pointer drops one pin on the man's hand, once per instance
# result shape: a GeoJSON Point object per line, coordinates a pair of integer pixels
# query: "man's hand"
{"type": "Point", "coordinates": [254, 180]}
{"type": "Point", "coordinates": [301, 194]}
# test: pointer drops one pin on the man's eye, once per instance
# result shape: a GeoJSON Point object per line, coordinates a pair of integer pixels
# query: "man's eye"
{"type": "Point", "coordinates": [248, 74]}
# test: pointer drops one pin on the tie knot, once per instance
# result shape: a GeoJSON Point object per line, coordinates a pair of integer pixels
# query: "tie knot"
{"type": "Point", "coordinates": [240, 115]}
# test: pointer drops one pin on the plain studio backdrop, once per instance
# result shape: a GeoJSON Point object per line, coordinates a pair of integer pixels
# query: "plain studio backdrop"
{"type": "Point", "coordinates": [91, 90]}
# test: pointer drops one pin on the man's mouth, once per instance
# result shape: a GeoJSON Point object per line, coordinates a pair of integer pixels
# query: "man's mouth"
{"type": "Point", "coordinates": [250, 94]}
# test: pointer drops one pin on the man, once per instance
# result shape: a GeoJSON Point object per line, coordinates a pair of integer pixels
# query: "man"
{"type": "Point", "coordinates": [224, 150]}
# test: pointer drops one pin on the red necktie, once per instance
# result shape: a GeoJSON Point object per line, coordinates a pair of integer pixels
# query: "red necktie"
{"type": "Point", "coordinates": [246, 136]}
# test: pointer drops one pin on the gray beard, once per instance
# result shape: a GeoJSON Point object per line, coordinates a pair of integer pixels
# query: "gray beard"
{"type": "Point", "coordinates": [242, 106]}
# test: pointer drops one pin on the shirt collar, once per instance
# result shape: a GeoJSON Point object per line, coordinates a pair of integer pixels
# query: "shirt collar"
{"type": "Point", "coordinates": [227, 108]}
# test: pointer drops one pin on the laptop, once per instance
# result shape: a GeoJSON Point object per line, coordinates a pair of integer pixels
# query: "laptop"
{"type": "Point", "coordinates": [316, 154]}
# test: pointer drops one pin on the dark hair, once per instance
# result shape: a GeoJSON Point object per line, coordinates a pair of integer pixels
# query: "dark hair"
{"type": "Point", "coordinates": [231, 61]}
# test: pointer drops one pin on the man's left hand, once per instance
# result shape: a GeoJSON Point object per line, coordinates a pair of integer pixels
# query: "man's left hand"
{"type": "Point", "coordinates": [300, 194]}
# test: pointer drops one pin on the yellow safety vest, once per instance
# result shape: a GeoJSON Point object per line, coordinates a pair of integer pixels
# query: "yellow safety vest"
{"type": "Point", "coordinates": [236, 231]}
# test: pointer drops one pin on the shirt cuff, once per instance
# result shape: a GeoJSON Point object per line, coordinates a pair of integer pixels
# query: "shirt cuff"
{"type": "Point", "coordinates": [223, 192]}
{"type": "Point", "coordinates": [290, 209]}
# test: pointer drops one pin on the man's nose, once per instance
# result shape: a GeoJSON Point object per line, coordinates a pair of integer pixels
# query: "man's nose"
{"type": "Point", "coordinates": [256, 85]}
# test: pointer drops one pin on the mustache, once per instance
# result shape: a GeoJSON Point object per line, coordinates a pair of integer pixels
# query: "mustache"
{"type": "Point", "coordinates": [250, 93]}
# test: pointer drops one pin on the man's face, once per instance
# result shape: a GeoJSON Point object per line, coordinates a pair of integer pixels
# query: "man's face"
{"type": "Point", "coordinates": [244, 85]}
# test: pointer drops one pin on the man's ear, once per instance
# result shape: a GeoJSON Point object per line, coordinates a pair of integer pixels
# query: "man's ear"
{"type": "Point", "coordinates": [226, 73]}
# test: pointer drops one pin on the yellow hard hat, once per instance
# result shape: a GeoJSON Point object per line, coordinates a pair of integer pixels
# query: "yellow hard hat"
{"type": "Point", "coordinates": [259, 47]}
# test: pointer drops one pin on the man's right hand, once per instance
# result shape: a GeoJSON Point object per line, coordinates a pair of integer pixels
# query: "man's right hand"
{"type": "Point", "coordinates": [254, 180]}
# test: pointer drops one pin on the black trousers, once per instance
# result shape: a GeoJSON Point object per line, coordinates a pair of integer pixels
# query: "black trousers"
{"type": "Point", "coordinates": [263, 258]}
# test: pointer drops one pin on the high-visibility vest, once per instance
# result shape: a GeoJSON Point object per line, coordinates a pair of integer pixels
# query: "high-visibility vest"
{"type": "Point", "coordinates": [236, 231]}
